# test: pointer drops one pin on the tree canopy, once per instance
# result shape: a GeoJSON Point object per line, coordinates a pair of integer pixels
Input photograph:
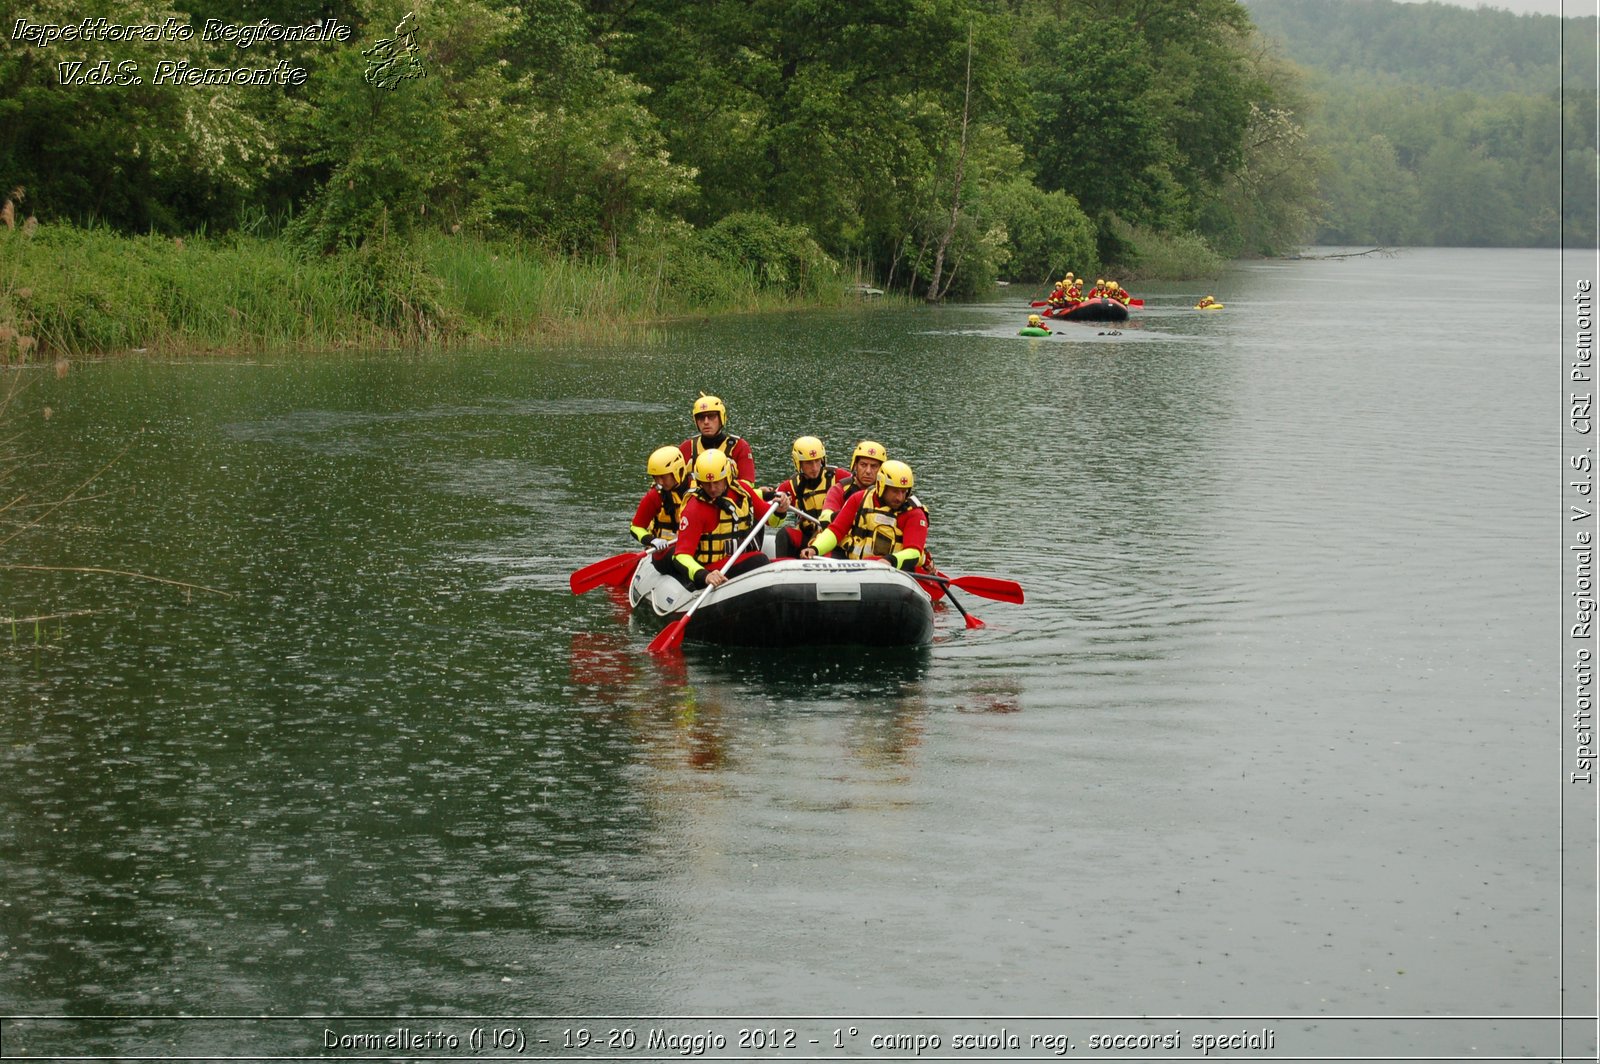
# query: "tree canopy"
{"type": "Point", "coordinates": [969, 139]}
{"type": "Point", "coordinates": [1439, 125]}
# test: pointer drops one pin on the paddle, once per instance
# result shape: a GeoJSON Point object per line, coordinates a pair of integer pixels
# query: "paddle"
{"type": "Point", "coordinates": [670, 639]}
{"type": "Point", "coordinates": [613, 570]}
{"type": "Point", "coordinates": [991, 587]}
{"type": "Point", "coordinates": [972, 622]}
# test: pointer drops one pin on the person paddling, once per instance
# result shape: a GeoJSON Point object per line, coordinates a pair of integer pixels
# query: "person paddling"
{"type": "Point", "coordinates": [885, 522]}
{"type": "Point", "coordinates": [1058, 294]}
{"type": "Point", "coordinates": [808, 489]}
{"type": "Point", "coordinates": [868, 456]}
{"type": "Point", "coordinates": [711, 418]}
{"type": "Point", "coordinates": [655, 521]}
{"type": "Point", "coordinates": [717, 516]}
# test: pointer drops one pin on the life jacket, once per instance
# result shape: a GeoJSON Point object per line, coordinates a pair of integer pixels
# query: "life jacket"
{"type": "Point", "coordinates": [725, 445]}
{"type": "Point", "coordinates": [735, 512]}
{"type": "Point", "coordinates": [810, 498]}
{"type": "Point", "coordinates": [665, 524]}
{"type": "Point", "coordinates": [876, 532]}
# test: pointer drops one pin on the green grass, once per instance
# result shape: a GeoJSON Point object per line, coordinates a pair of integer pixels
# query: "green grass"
{"type": "Point", "coordinates": [73, 291]}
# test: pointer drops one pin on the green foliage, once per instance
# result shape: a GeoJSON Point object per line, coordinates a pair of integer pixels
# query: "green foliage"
{"type": "Point", "coordinates": [90, 290]}
{"type": "Point", "coordinates": [843, 118]}
{"type": "Point", "coordinates": [744, 146]}
{"type": "Point", "coordinates": [136, 155]}
{"type": "Point", "coordinates": [1445, 126]}
{"type": "Point", "coordinates": [1371, 198]}
{"type": "Point", "coordinates": [477, 145]}
{"type": "Point", "coordinates": [1267, 204]}
{"type": "Point", "coordinates": [83, 291]}
{"type": "Point", "coordinates": [779, 256]}
{"type": "Point", "coordinates": [1453, 48]}
{"type": "Point", "coordinates": [730, 152]}
{"type": "Point", "coordinates": [1045, 232]}
{"type": "Point", "coordinates": [1162, 255]}
{"type": "Point", "coordinates": [1094, 88]}
{"type": "Point", "coordinates": [1429, 167]}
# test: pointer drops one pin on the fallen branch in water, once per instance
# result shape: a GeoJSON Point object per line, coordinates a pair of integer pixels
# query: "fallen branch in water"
{"type": "Point", "coordinates": [115, 572]}
{"type": "Point", "coordinates": [1387, 253]}
{"type": "Point", "coordinates": [39, 621]}
{"type": "Point", "coordinates": [42, 617]}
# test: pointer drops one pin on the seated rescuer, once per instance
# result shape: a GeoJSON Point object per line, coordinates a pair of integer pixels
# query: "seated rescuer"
{"type": "Point", "coordinates": [711, 418]}
{"type": "Point", "coordinates": [808, 489]}
{"type": "Point", "coordinates": [717, 516]}
{"type": "Point", "coordinates": [885, 522]}
{"type": "Point", "coordinates": [1036, 322]}
{"type": "Point", "coordinates": [864, 463]}
{"type": "Point", "coordinates": [655, 521]}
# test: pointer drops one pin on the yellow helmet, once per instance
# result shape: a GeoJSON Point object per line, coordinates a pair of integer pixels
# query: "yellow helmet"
{"type": "Point", "coordinates": [713, 466]}
{"type": "Point", "coordinates": [665, 461]}
{"type": "Point", "coordinates": [710, 404]}
{"type": "Point", "coordinates": [868, 449]}
{"type": "Point", "coordinates": [808, 449]}
{"type": "Point", "coordinates": [1034, 319]}
{"type": "Point", "coordinates": [895, 474]}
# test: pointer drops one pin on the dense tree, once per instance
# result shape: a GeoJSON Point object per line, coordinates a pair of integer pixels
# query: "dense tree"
{"type": "Point", "coordinates": [89, 132]}
{"type": "Point", "coordinates": [845, 117]}
{"type": "Point", "coordinates": [1098, 134]}
{"type": "Point", "coordinates": [1449, 47]}
{"type": "Point", "coordinates": [480, 145]}
{"type": "Point", "coordinates": [1439, 125]}
{"type": "Point", "coordinates": [585, 124]}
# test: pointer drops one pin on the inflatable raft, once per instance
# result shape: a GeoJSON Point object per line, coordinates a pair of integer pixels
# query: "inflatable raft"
{"type": "Point", "coordinates": [1032, 330]}
{"type": "Point", "coordinates": [1096, 309]}
{"type": "Point", "coordinates": [794, 602]}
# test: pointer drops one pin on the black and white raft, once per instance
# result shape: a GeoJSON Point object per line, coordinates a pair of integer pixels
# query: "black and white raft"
{"type": "Point", "coordinates": [794, 602]}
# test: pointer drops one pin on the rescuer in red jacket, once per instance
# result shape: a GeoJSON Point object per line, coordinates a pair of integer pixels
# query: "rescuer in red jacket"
{"type": "Point", "coordinates": [716, 518]}
{"type": "Point", "coordinates": [711, 418]}
{"type": "Point", "coordinates": [884, 522]}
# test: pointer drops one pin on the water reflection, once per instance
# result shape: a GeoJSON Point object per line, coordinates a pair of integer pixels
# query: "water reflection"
{"type": "Point", "coordinates": [702, 710]}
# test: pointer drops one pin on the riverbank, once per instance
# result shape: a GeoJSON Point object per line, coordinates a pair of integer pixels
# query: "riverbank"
{"type": "Point", "coordinates": [67, 291]}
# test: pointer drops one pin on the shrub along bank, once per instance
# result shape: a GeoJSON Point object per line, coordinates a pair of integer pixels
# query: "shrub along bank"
{"type": "Point", "coordinates": [73, 291]}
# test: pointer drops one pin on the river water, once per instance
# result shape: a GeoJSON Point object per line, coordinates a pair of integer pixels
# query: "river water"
{"type": "Point", "coordinates": [1274, 746]}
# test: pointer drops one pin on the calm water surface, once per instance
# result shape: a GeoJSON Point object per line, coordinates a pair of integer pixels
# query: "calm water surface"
{"type": "Point", "coordinates": [1275, 733]}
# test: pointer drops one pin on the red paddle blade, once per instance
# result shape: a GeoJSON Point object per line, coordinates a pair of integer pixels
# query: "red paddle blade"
{"type": "Point", "coordinates": [670, 639]}
{"type": "Point", "coordinates": [972, 622]}
{"type": "Point", "coordinates": [1135, 302]}
{"type": "Point", "coordinates": [990, 587]}
{"type": "Point", "coordinates": [613, 570]}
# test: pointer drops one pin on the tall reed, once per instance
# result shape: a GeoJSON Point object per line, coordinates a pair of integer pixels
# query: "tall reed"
{"type": "Point", "coordinates": [83, 291]}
